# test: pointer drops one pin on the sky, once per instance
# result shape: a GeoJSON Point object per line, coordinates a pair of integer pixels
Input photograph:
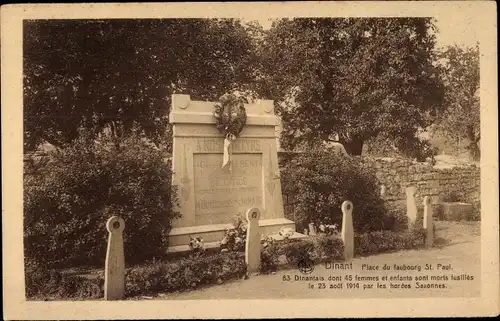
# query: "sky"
{"type": "Point", "coordinates": [452, 30]}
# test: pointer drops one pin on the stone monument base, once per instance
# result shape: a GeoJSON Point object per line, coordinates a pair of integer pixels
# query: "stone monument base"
{"type": "Point", "coordinates": [212, 234]}
{"type": "Point", "coordinates": [456, 211]}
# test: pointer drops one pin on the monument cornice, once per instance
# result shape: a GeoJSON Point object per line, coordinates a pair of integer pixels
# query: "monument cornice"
{"type": "Point", "coordinates": [187, 111]}
{"type": "Point", "coordinates": [186, 117]}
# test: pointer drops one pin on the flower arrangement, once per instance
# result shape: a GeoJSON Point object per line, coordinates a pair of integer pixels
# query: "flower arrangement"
{"type": "Point", "coordinates": [230, 118]}
{"type": "Point", "coordinates": [286, 232]}
{"type": "Point", "coordinates": [196, 244]}
{"type": "Point", "coordinates": [266, 242]}
{"type": "Point", "coordinates": [328, 229]}
{"type": "Point", "coordinates": [235, 237]}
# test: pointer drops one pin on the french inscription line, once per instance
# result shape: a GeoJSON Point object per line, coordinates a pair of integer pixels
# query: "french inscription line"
{"type": "Point", "coordinates": [239, 202]}
{"type": "Point", "coordinates": [226, 190]}
{"type": "Point", "coordinates": [217, 145]}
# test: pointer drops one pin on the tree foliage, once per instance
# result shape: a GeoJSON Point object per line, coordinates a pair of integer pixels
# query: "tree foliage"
{"type": "Point", "coordinates": [119, 74]}
{"type": "Point", "coordinates": [460, 74]}
{"type": "Point", "coordinates": [355, 78]}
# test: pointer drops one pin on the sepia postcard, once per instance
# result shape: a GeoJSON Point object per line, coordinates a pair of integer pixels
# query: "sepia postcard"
{"type": "Point", "coordinates": [219, 160]}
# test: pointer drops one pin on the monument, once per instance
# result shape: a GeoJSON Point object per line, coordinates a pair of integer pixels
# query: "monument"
{"type": "Point", "coordinates": [210, 196]}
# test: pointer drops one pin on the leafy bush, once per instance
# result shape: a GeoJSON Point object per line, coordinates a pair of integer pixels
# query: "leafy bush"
{"type": "Point", "coordinates": [185, 273]}
{"type": "Point", "coordinates": [452, 196]}
{"type": "Point", "coordinates": [387, 241]}
{"type": "Point", "coordinates": [319, 182]}
{"type": "Point", "coordinates": [269, 258]}
{"type": "Point", "coordinates": [416, 148]}
{"type": "Point", "coordinates": [316, 248]}
{"type": "Point", "coordinates": [328, 248]}
{"type": "Point", "coordinates": [396, 218]}
{"type": "Point", "coordinates": [296, 251]}
{"type": "Point", "coordinates": [476, 215]}
{"type": "Point", "coordinates": [42, 283]}
{"type": "Point", "coordinates": [69, 200]}
{"type": "Point", "coordinates": [235, 238]}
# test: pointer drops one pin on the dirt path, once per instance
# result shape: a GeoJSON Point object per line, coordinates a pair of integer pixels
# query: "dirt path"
{"type": "Point", "coordinates": [458, 247]}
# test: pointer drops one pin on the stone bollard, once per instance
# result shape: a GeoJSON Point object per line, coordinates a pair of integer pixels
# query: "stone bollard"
{"type": "Point", "coordinates": [383, 190]}
{"type": "Point", "coordinates": [252, 247]}
{"type": "Point", "coordinates": [114, 273]}
{"type": "Point", "coordinates": [428, 222]}
{"type": "Point", "coordinates": [312, 229]}
{"type": "Point", "coordinates": [411, 204]}
{"type": "Point", "coordinates": [347, 230]}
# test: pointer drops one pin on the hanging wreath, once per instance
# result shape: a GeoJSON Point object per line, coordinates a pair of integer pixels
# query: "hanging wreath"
{"type": "Point", "coordinates": [230, 118]}
{"type": "Point", "coordinates": [230, 115]}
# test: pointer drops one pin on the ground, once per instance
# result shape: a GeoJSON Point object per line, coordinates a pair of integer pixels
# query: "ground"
{"type": "Point", "coordinates": [457, 244]}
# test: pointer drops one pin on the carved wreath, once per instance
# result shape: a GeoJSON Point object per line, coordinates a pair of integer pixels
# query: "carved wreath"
{"type": "Point", "coordinates": [230, 115]}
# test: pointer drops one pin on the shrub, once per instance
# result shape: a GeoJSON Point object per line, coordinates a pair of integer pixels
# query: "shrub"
{"type": "Point", "coordinates": [452, 196]}
{"type": "Point", "coordinates": [69, 200]}
{"type": "Point", "coordinates": [476, 215]}
{"type": "Point", "coordinates": [329, 248]}
{"type": "Point", "coordinates": [184, 273]}
{"type": "Point", "coordinates": [235, 238]}
{"type": "Point", "coordinates": [396, 218]}
{"type": "Point", "coordinates": [319, 182]}
{"type": "Point", "coordinates": [42, 283]}
{"type": "Point", "coordinates": [387, 241]}
{"type": "Point", "coordinates": [416, 148]}
{"type": "Point", "coordinates": [315, 248]}
{"type": "Point", "coordinates": [298, 250]}
{"type": "Point", "coordinates": [269, 255]}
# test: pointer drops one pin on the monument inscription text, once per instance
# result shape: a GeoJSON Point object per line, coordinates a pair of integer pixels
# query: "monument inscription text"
{"type": "Point", "coordinates": [216, 145]}
{"type": "Point", "coordinates": [221, 194]}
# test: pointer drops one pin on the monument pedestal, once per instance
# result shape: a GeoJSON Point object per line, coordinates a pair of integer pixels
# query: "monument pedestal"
{"type": "Point", "coordinates": [210, 197]}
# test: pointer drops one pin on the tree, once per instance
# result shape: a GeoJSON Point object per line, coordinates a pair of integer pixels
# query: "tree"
{"type": "Point", "coordinates": [460, 74]}
{"type": "Point", "coordinates": [118, 75]}
{"type": "Point", "coordinates": [352, 77]}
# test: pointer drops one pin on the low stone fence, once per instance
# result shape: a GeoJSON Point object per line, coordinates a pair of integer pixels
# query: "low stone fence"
{"type": "Point", "coordinates": [396, 174]}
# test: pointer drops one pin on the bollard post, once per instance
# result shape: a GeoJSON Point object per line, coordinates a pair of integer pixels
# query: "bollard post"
{"type": "Point", "coordinates": [411, 204]}
{"type": "Point", "coordinates": [383, 190]}
{"type": "Point", "coordinates": [347, 230]}
{"type": "Point", "coordinates": [312, 229]}
{"type": "Point", "coordinates": [428, 222]}
{"type": "Point", "coordinates": [252, 246]}
{"type": "Point", "coordinates": [114, 272]}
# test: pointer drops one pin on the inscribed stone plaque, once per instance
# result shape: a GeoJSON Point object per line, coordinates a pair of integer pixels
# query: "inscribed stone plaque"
{"type": "Point", "coordinates": [220, 194]}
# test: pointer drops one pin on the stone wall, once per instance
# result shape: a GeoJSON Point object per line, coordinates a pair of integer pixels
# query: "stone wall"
{"type": "Point", "coordinates": [438, 183]}
{"type": "Point", "coordinates": [461, 183]}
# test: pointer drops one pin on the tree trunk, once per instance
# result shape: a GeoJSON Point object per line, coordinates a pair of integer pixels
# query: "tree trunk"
{"type": "Point", "coordinates": [474, 151]}
{"type": "Point", "coordinates": [114, 135]}
{"type": "Point", "coordinates": [473, 147]}
{"type": "Point", "coordinates": [354, 146]}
